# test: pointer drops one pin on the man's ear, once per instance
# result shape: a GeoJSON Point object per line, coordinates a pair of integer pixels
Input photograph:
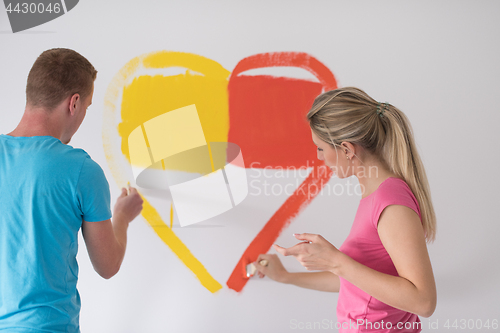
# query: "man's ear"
{"type": "Point", "coordinates": [73, 103]}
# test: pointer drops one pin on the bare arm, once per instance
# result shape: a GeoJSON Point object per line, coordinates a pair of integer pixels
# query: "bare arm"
{"type": "Point", "coordinates": [322, 281]}
{"type": "Point", "coordinates": [106, 241]}
{"type": "Point", "coordinates": [414, 290]}
{"type": "Point", "coordinates": [402, 235]}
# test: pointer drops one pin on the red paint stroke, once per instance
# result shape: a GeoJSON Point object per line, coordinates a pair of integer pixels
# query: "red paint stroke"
{"type": "Point", "coordinates": [267, 119]}
{"type": "Point", "coordinates": [267, 115]}
{"type": "Point", "coordinates": [289, 59]}
{"type": "Point", "coordinates": [302, 196]}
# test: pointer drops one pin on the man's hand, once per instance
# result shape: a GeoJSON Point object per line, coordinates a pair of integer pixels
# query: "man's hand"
{"type": "Point", "coordinates": [106, 241]}
{"type": "Point", "coordinates": [128, 205]}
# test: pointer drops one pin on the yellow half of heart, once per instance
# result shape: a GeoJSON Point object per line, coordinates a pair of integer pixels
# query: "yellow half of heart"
{"type": "Point", "coordinates": [140, 92]}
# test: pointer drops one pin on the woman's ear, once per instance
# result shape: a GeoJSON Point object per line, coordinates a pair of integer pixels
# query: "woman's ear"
{"type": "Point", "coordinates": [349, 148]}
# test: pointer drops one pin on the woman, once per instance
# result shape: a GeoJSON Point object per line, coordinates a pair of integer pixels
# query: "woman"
{"type": "Point", "coordinates": [382, 271]}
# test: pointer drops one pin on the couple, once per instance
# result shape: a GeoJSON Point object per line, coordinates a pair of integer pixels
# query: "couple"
{"type": "Point", "coordinates": [48, 190]}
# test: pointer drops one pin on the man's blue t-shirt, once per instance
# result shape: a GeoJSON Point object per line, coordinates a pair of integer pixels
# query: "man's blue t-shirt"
{"type": "Point", "coordinates": [46, 189]}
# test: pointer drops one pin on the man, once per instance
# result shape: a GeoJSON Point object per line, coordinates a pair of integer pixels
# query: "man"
{"type": "Point", "coordinates": [48, 190]}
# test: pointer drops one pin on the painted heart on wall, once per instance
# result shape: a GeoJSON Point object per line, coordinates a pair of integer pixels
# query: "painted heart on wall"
{"type": "Point", "coordinates": [256, 112]}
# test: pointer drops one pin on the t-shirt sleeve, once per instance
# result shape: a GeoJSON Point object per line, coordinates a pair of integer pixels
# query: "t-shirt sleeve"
{"type": "Point", "coordinates": [396, 192]}
{"type": "Point", "coordinates": [93, 192]}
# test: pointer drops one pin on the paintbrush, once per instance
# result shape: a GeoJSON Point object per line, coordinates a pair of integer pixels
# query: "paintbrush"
{"type": "Point", "coordinates": [251, 269]}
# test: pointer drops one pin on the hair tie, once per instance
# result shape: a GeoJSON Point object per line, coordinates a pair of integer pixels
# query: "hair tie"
{"type": "Point", "coordinates": [380, 113]}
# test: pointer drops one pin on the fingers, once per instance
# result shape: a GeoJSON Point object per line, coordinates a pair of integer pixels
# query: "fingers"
{"type": "Point", "coordinates": [265, 262]}
{"type": "Point", "coordinates": [296, 250]}
{"type": "Point", "coordinates": [124, 192]}
{"type": "Point", "coordinates": [128, 191]}
{"type": "Point", "coordinates": [263, 257]}
{"type": "Point", "coordinates": [280, 249]}
{"type": "Point", "coordinates": [311, 238]}
{"type": "Point", "coordinates": [259, 263]}
{"type": "Point", "coordinates": [129, 203]}
{"type": "Point", "coordinates": [261, 269]}
{"type": "Point", "coordinates": [132, 193]}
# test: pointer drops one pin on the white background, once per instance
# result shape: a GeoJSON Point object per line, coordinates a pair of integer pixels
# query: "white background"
{"type": "Point", "coordinates": [435, 60]}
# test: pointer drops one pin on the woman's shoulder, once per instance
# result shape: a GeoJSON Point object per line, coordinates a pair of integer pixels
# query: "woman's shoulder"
{"type": "Point", "coordinates": [393, 184]}
{"type": "Point", "coordinates": [395, 190]}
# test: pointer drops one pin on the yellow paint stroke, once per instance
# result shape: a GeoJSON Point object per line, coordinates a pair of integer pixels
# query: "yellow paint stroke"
{"type": "Point", "coordinates": [207, 67]}
{"type": "Point", "coordinates": [174, 132]}
{"type": "Point", "coordinates": [181, 251]}
{"type": "Point", "coordinates": [165, 137]}
{"type": "Point", "coordinates": [109, 115]}
{"type": "Point", "coordinates": [148, 96]}
{"type": "Point", "coordinates": [171, 215]}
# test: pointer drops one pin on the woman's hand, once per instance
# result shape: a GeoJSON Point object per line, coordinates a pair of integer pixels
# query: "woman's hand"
{"type": "Point", "coordinates": [314, 253]}
{"type": "Point", "coordinates": [274, 268]}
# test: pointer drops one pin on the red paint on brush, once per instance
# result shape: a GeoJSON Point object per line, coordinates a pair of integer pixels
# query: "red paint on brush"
{"type": "Point", "coordinates": [301, 197]}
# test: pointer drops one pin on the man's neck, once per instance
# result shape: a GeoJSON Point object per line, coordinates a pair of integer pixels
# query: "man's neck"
{"type": "Point", "coordinates": [38, 122]}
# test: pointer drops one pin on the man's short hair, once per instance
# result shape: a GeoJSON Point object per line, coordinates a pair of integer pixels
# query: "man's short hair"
{"type": "Point", "coordinates": [56, 75]}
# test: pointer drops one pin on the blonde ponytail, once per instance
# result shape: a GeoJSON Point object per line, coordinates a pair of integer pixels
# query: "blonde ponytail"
{"type": "Point", "coordinates": [349, 114]}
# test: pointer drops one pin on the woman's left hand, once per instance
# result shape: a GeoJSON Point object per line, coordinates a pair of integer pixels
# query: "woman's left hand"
{"type": "Point", "coordinates": [314, 253]}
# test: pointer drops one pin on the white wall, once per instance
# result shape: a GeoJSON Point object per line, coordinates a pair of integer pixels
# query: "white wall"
{"type": "Point", "coordinates": [436, 61]}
